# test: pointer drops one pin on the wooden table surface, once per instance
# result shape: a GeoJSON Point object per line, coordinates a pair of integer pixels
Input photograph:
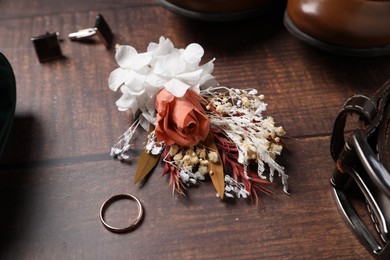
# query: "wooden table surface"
{"type": "Point", "coordinates": [56, 170]}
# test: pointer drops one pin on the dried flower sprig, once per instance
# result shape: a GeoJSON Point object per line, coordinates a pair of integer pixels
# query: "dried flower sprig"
{"type": "Point", "coordinates": [198, 127]}
{"type": "Point", "coordinates": [239, 117]}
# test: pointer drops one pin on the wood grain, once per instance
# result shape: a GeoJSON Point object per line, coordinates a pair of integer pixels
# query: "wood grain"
{"type": "Point", "coordinates": [56, 170]}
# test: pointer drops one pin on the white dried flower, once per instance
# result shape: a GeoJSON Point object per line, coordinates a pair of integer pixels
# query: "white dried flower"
{"type": "Point", "coordinates": [186, 158]}
{"type": "Point", "coordinates": [201, 153]}
{"type": "Point", "coordinates": [203, 169]}
{"type": "Point", "coordinates": [245, 101]}
{"type": "Point", "coordinates": [199, 176]}
{"type": "Point", "coordinates": [245, 126]}
{"type": "Point", "coordinates": [194, 160]}
{"type": "Point", "coordinates": [220, 108]}
{"type": "Point", "coordinates": [213, 157]}
{"type": "Point", "coordinates": [276, 148]}
{"type": "Point", "coordinates": [232, 187]}
{"type": "Point", "coordinates": [280, 131]}
{"type": "Point", "coordinates": [173, 149]}
{"type": "Point", "coordinates": [178, 157]}
{"type": "Point", "coordinates": [203, 162]}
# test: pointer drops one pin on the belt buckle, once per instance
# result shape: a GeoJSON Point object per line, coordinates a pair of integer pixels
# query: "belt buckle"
{"type": "Point", "coordinates": [359, 170]}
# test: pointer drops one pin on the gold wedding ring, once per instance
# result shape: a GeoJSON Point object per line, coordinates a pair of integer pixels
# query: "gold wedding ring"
{"type": "Point", "coordinates": [111, 200]}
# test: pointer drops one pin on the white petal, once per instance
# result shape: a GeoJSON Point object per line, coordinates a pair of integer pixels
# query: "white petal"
{"type": "Point", "coordinates": [144, 123]}
{"type": "Point", "coordinates": [152, 47]}
{"type": "Point", "coordinates": [176, 87]}
{"type": "Point", "coordinates": [151, 91]}
{"type": "Point", "coordinates": [208, 67]}
{"type": "Point", "coordinates": [155, 80]}
{"type": "Point", "coordinates": [174, 64]}
{"type": "Point", "coordinates": [150, 105]}
{"type": "Point", "coordinates": [117, 78]}
{"type": "Point", "coordinates": [146, 105]}
{"type": "Point", "coordinates": [208, 81]}
{"type": "Point", "coordinates": [141, 60]}
{"type": "Point", "coordinates": [159, 67]}
{"type": "Point", "coordinates": [136, 88]}
{"type": "Point", "coordinates": [126, 102]}
{"type": "Point", "coordinates": [124, 56]}
{"type": "Point", "coordinates": [135, 83]}
{"type": "Point", "coordinates": [193, 53]}
{"type": "Point", "coordinates": [151, 118]}
{"type": "Point", "coordinates": [191, 78]}
{"type": "Point", "coordinates": [130, 78]}
{"type": "Point", "coordinates": [164, 47]}
{"type": "Point", "coordinates": [196, 88]}
{"type": "Point", "coordinates": [157, 150]}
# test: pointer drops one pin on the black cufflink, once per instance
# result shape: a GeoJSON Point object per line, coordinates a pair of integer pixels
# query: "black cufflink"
{"type": "Point", "coordinates": [47, 47]}
{"type": "Point", "coordinates": [101, 28]}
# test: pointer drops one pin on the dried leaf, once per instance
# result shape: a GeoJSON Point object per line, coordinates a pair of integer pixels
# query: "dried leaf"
{"type": "Point", "coordinates": [217, 174]}
{"type": "Point", "coordinates": [146, 162]}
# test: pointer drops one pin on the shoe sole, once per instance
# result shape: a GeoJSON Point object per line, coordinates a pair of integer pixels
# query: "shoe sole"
{"type": "Point", "coordinates": [337, 49]}
{"type": "Point", "coordinates": [214, 17]}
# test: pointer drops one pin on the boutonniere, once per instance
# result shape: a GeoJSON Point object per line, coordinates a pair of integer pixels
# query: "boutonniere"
{"type": "Point", "coordinates": [197, 128]}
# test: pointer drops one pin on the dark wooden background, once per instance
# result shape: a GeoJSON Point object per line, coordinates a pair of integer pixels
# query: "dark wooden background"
{"type": "Point", "coordinates": [56, 170]}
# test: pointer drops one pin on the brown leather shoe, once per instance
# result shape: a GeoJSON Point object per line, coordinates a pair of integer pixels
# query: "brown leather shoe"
{"type": "Point", "coordinates": [221, 10]}
{"type": "Point", "coordinates": [351, 27]}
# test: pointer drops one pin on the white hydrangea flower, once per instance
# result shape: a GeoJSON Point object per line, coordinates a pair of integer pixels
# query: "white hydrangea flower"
{"type": "Point", "coordinates": [160, 49]}
{"type": "Point", "coordinates": [132, 68]}
{"type": "Point", "coordinates": [141, 76]}
{"type": "Point", "coordinates": [178, 71]}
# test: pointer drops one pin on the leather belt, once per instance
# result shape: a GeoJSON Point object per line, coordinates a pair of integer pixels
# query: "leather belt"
{"type": "Point", "coordinates": [362, 158]}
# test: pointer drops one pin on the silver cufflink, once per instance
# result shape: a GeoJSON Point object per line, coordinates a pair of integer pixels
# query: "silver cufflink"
{"type": "Point", "coordinates": [101, 29]}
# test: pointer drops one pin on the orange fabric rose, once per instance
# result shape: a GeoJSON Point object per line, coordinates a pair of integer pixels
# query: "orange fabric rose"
{"type": "Point", "coordinates": [182, 120]}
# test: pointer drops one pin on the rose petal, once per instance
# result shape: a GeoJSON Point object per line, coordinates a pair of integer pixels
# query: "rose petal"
{"type": "Point", "coordinates": [162, 98]}
{"type": "Point", "coordinates": [180, 120]}
{"type": "Point", "coordinates": [191, 95]}
{"type": "Point", "coordinates": [181, 114]}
